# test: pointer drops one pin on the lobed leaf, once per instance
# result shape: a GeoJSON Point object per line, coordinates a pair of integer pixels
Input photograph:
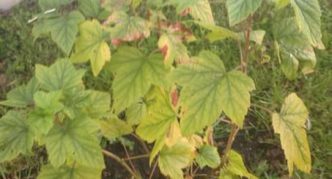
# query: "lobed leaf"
{"type": "Point", "coordinates": [22, 96]}
{"type": "Point", "coordinates": [290, 125]}
{"type": "Point", "coordinates": [62, 75]}
{"type": "Point", "coordinates": [173, 48]}
{"type": "Point", "coordinates": [157, 123]}
{"type": "Point", "coordinates": [219, 91]}
{"type": "Point", "coordinates": [128, 28]}
{"type": "Point", "coordinates": [308, 13]}
{"type": "Point", "coordinates": [198, 9]}
{"type": "Point", "coordinates": [74, 139]}
{"type": "Point", "coordinates": [16, 136]}
{"type": "Point", "coordinates": [69, 172]}
{"type": "Point", "coordinates": [63, 29]}
{"type": "Point", "coordinates": [239, 10]}
{"type": "Point", "coordinates": [91, 45]}
{"type": "Point", "coordinates": [114, 127]}
{"type": "Point", "coordinates": [173, 159]}
{"type": "Point", "coordinates": [134, 75]}
{"type": "Point", "coordinates": [208, 156]}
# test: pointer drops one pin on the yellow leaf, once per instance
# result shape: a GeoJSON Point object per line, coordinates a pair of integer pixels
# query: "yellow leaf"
{"type": "Point", "coordinates": [174, 134]}
{"type": "Point", "coordinates": [290, 124]}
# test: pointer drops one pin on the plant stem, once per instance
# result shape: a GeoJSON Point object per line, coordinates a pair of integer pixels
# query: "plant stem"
{"type": "Point", "coordinates": [153, 169]}
{"type": "Point", "coordinates": [120, 161]}
{"type": "Point", "coordinates": [137, 157]}
{"type": "Point", "coordinates": [245, 55]}
{"type": "Point", "coordinates": [232, 135]}
{"type": "Point", "coordinates": [244, 63]}
{"type": "Point", "coordinates": [127, 154]}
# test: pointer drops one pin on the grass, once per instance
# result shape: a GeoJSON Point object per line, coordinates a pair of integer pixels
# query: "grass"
{"type": "Point", "coordinates": [19, 53]}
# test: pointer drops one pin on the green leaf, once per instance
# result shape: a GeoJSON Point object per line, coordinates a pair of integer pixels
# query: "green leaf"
{"type": "Point", "coordinates": [157, 146]}
{"type": "Point", "coordinates": [114, 127]}
{"type": "Point", "coordinates": [290, 124]}
{"type": "Point", "coordinates": [48, 101]}
{"type": "Point", "coordinates": [308, 13]}
{"type": "Point", "coordinates": [135, 3]}
{"type": "Point", "coordinates": [173, 48]}
{"type": "Point", "coordinates": [128, 28]}
{"type": "Point", "coordinates": [218, 32]}
{"type": "Point", "coordinates": [173, 159]}
{"type": "Point", "coordinates": [208, 156]}
{"type": "Point", "coordinates": [74, 140]}
{"type": "Point", "coordinates": [69, 172]}
{"type": "Point", "coordinates": [22, 96]}
{"type": "Point", "coordinates": [157, 122]}
{"type": "Point", "coordinates": [239, 10]}
{"type": "Point", "coordinates": [63, 29]}
{"type": "Point", "coordinates": [41, 119]}
{"type": "Point", "coordinates": [62, 75]}
{"type": "Point", "coordinates": [15, 136]}
{"type": "Point", "coordinates": [235, 166]}
{"type": "Point", "coordinates": [198, 9]}
{"type": "Point", "coordinates": [90, 8]}
{"type": "Point", "coordinates": [50, 4]}
{"type": "Point", "coordinates": [136, 112]}
{"type": "Point", "coordinates": [218, 91]}
{"type": "Point", "coordinates": [91, 45]}
{"type": "Point", "coordinates": [290, 66]}
{"type": "Point", "coordinates": [281, 3]}
{"type": "Point", "coordinates": [78, 102]}
{"type": "Point", "coordinates": [134, 75]}
{"type": "Point", "coordinates": [97, 104]}
{"type": "Point", "coordinates": [292, 46]}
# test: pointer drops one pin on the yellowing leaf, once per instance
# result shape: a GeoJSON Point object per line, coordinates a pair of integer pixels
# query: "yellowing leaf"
{"type": "Point", "coordinates": [128, 28]}
{"type": "Point", "coordinates": [159, 119]}
{"type": "Point", "coordinates": [134, 74]}
{"type": "Point", "coordinates": [290, 124]}
{"type": "Point", "coordinates": [235, 166]}
{"type": "Point", "coordinates": [198, 9]}
{"type": "Point", "coordinates": [173, 159]}
{"type": "Point", "coordinates": [114, 127]}
{"type": "Point", "coordinates": [308, 13]}
{"type": "Point", "coordinates": [136, 112]}
{"type": "Point", "coordinates": [158, 145]}
{"type": "Point", "coordinates": [174, 134]}
{"type": "Point", "coordinates": [281, 3]}
{"type": "Point", "coordinates": [218, 91]}
{"type": "Point", "coordinates": [173, 49]}
{"type": "Point", "coordinates": [218, 32]}
{"type": "Point", "coordinates": [91, 45]}
{"type": "Point", "coordinates": [239, 10]}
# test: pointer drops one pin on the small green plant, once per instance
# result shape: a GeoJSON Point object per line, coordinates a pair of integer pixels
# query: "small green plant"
{"type": "Point", "coordinates": [167, 95]}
